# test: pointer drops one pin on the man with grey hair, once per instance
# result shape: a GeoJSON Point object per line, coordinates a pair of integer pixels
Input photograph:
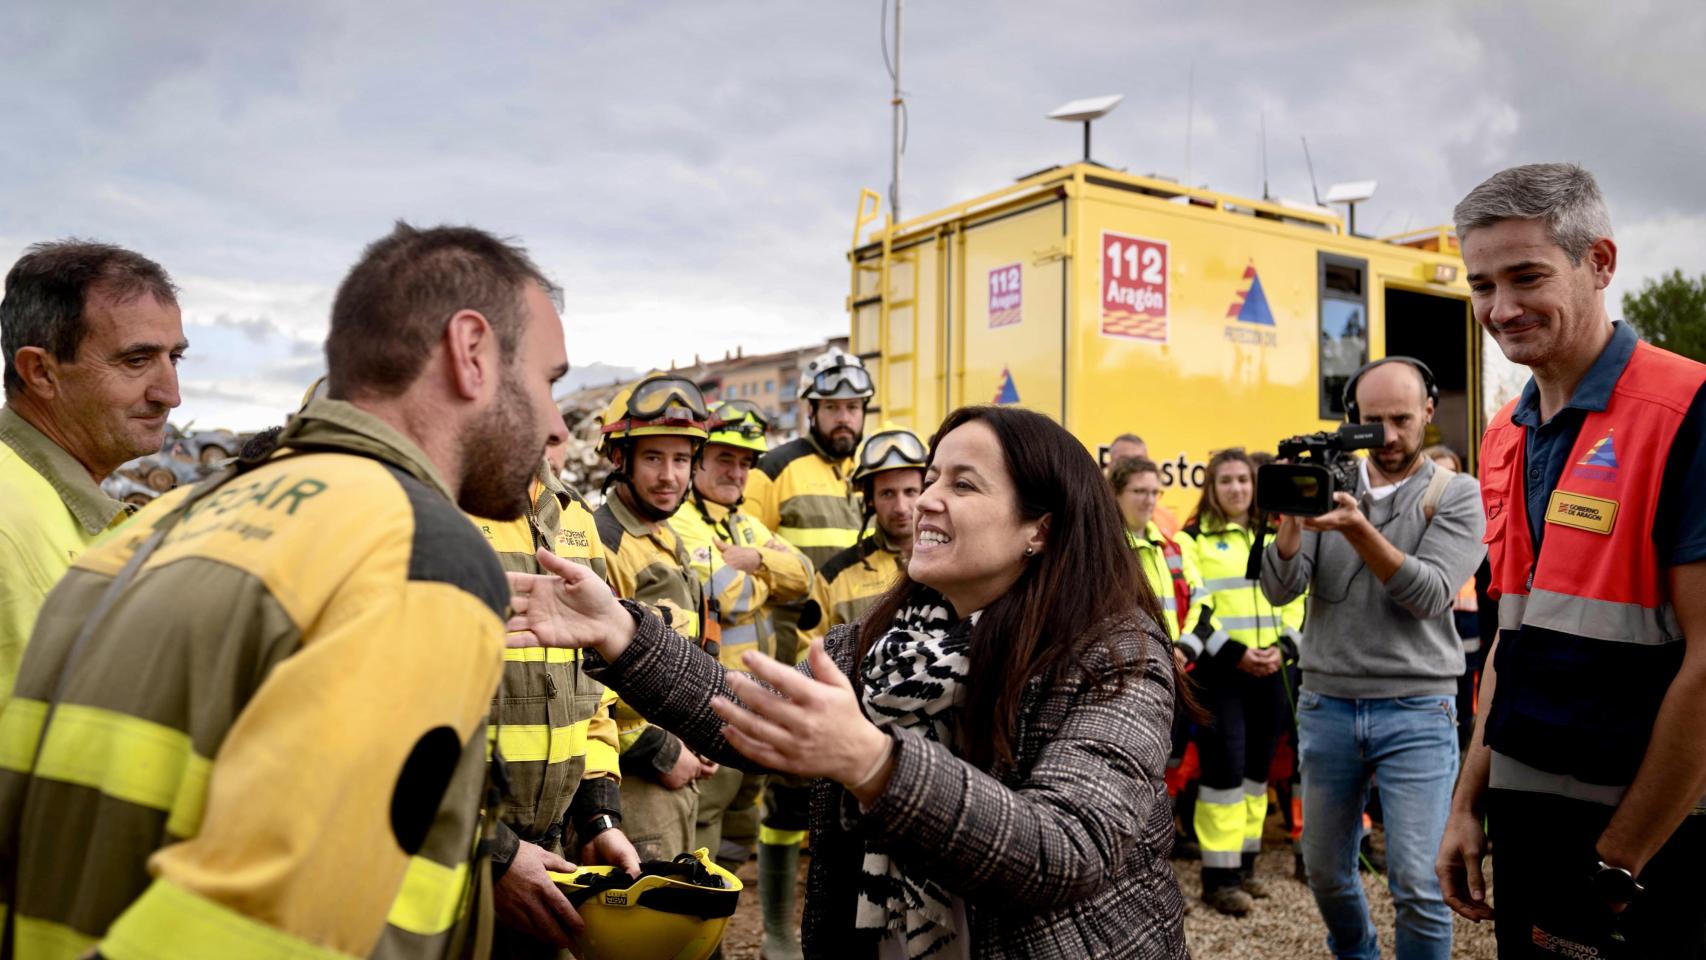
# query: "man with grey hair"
{"type": "Point", "coordinates": [92, 335]}
{"type": "Point", "coordinates": [1587, 764]}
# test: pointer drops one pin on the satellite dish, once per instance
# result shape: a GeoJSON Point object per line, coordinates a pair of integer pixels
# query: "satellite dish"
{"type": "Point", "coordinates": [1351, 191]}
{"type": "Point", "coordinates": [1084, 111]}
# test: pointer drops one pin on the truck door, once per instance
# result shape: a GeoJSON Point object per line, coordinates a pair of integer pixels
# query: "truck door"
{"type": "Point", "coordinates": [1440, 331]}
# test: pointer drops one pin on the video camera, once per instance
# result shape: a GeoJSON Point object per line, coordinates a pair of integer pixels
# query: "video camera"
{"type": "Point", "coordinates": [1319, 468]}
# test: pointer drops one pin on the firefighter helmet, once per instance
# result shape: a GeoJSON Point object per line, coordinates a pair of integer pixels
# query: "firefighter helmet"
{"type": "Point", "coordinates": [676, 910]}
{"type": "Point", "coordinates": [661, 405]}
{"type": "Point", "coordinates": [835, 375]}
{"type": "Point", "coordinates": [891, 448]}
{"type": "Point", "coordinates": [739, 423]}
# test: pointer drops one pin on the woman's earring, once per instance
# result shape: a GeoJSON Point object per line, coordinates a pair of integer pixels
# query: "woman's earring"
{"type": "Point", "coordinates": [1030, 551]}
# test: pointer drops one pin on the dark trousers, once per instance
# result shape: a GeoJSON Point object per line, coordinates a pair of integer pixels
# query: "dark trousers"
{"type": "Point", "coordinates": [1543, 861]}
{"type": "Point", "coordinates": [1247, 716]}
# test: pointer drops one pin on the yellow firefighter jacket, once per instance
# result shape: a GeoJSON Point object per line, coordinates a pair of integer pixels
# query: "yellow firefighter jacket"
{"type": "Point", "coordinates": [651, 566]}
{"type": "Point", "coordinates": [742, 600]}
{"type": "Point", "coordinates": [808, 499]}
{"type": "Point", "coordinates": [553, 727]}
{"type": "Point", "coordinates": [854, 579]}
{"type": "Point", "coordinates": [273, 742]}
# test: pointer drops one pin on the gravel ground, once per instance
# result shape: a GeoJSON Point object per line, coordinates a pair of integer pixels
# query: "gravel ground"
{"type": "Point", "coordinates": [1284, 925]}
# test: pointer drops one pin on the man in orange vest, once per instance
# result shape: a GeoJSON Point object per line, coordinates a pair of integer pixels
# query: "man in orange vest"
{"type": "Point", "coordinates": [1588, 761]}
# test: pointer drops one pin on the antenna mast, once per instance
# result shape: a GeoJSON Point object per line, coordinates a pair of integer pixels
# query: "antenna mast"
{"type": "Point", "coordinates": [899, 104]}
{"type": "Point", "coordinates": [1311, 164]}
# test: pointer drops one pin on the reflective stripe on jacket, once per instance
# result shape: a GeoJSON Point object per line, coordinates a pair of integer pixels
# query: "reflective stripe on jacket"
{"type": "Point", "coordinates": [273, 743]}
{"type": "Point", "coordinates": [1170, 574]}
{"type": "Point", "coordinates": [1589, 641]}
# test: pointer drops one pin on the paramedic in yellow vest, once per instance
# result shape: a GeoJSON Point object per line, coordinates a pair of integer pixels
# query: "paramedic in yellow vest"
{"type": "Point", "coordinates": [890, 477]}
{"type": "Point", "coordinates": [651, 434]}
{"type": "Point", "coordinates": [1236, 644]}
{"type": "Point", "coordinates": [1129, 446]}
{"type": "Point", "coordinates": [1171, 573]}
{"type": "Point", "coordinates": [555, 733]}
{"type": "Point", "coordinates": [745, 568]}
{"type": "Point", "coordinates": [803, 491]}
{"type": "Point", "coordinates": [92, 336]}
{"type": "Point", "coordinates": [267, 738]}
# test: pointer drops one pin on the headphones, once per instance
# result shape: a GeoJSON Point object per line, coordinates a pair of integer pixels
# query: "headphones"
{"type": "Point", "coordinates": [1354, 415]}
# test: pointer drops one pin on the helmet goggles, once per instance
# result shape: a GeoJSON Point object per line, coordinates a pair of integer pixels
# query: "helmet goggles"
{"type": "Point", "coordinates": [741, 417]}
{"type": "Point", "coordinates": [839, 382]}
{"type": "Point", "coordinates": [891, 450]}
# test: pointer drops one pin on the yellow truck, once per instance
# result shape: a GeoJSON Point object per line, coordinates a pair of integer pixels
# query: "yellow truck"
{"type": "Point", "coordinates": [1118, 303]}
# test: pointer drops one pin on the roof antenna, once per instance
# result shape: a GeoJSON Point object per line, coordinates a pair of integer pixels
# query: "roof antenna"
{"type": "Point", "coordinates": [1265, 194]}
{"type": "Point", "coordinates": [1311, 164]}
{"type": "Point", "coordinates": [1190, 114]}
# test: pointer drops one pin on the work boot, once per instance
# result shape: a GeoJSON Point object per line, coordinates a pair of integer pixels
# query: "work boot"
{"type": "Point", "coordinates": [1231, 901]}
{"type": "Point", "coordinates": [778, 871]}
{"type": "Point", "coordinates": [1247, 880]}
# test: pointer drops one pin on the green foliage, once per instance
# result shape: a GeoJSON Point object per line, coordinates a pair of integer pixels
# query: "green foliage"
{"type": "Point", "coordinates": [1670, 312]}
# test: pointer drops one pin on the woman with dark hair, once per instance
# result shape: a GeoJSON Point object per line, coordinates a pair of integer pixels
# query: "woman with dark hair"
{"type": "Point", "coordinates": [988, 744]}
{"type": "Point", "coordinates": [1240, 677]}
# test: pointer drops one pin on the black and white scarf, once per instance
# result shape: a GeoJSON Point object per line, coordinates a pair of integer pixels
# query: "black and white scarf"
{"type": "Point", "coordinates": [914, 677]}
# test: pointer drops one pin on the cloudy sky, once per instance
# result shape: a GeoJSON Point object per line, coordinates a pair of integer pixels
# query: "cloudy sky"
{"type": "Point", "coordinates": [689, 170]}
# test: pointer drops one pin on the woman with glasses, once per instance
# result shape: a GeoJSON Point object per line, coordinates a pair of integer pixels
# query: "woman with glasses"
{"type": "Point", "coordinates": [1239, 673]}
{"type": "Point", "coordinates": [986, 746]}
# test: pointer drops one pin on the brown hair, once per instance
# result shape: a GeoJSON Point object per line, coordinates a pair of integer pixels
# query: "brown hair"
{"type": "Point", "coordinates": [1210, 514]}
{"type": "Point", "coordinates": [1441, 450]}
{"type": "Point", "coordinates": [48, 291]}
{"type": "Point", "coordinates": [1049, 620]}
{"type": "Point", "coordinates": [1127, 467]}
{"type": "Point", "coordinates": [391, 309]}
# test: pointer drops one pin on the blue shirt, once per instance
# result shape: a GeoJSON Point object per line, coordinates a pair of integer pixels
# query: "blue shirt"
{"type": "Point", "coordinates": [1680, 528]}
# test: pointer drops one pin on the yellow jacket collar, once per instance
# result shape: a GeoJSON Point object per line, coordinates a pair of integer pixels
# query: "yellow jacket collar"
{"type": "Point", "coordinates": [335, 423]}
{"type": "Point", "coordinates": [69, 478]}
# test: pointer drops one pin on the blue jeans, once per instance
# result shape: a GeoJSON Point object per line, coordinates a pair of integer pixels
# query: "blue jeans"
{"type": "Point", "coordinates": [1409, 746]}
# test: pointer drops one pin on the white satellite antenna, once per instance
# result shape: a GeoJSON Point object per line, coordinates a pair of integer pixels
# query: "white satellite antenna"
{"type": "Point", "coordinates": [1085, 111]}
{"type": "Point", "coordinates": [1350, 193]}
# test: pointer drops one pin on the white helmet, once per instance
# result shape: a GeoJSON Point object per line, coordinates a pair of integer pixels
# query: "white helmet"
{"type": "Point", "coordinates": [835, 375]}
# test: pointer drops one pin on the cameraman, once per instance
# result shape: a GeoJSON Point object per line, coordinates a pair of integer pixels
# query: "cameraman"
{"type": "Point", "coordinates": [1380, 663]}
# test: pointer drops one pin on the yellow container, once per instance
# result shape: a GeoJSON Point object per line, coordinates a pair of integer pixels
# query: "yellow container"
{"type": "Point", "coordinates": [1118, 303]}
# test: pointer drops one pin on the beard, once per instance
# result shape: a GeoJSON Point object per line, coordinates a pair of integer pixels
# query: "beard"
{"type": "Point", "coordinates": [498, 459]}
{"type": "Point", "coordinates": [840, 444]}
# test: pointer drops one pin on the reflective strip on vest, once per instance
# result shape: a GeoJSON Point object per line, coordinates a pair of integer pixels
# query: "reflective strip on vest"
{"type": "Point", "coordinates": [536, 742]}
{"type": "Point", "coordinates": [838, 538]}
{"type": "Point", "coordinates": [1248, 623]}
{"type": "Point", "coordinates": [1215, 642]}
{"type": "Point", "coordinates": [722, 577]}
{"type": "Point", "coordinates": [430, 899]}
{"type": "Point", "coordinates": [1175, 562]}
{"type": "Point", "coordinates": [167, 921]}
{"type": "Point", "coordinates": [1226, 583]}
{"type": "Point", "coordinates": [735, 638]}
{"type": "Point", "coordinates": [743, 603]}
{"type": "Point", "coordinates": [1594, 619]}
{"type": "Point", "coordinates": [1170, 603]}
{"type": "Point", "coordinates": [121, 756]}
{"type": "Point", "coordinates": [46, 940]}
{"type": "Point", "coordinates": [540, 655]}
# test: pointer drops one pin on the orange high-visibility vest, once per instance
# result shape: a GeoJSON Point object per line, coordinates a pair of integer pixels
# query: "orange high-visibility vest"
{"type": "Point", "coordinates": [1589, 641]}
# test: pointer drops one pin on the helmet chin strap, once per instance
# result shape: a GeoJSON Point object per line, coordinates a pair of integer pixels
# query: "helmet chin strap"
{"type": "Point", "coordinates": [640, 505]}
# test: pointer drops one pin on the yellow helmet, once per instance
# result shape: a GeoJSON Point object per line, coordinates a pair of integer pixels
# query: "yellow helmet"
{"type": "Point", "coordinates": [739, 423]}
{"type": "Point", "coordinates": [891, 448]}
{"type": "Point", "coordinates": [661, 405]}
{"type": "Point", "coordinates": [674, 911]}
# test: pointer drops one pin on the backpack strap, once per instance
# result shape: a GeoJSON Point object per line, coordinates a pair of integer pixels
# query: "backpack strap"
{"type": "Point", "coordinates": [1436, 491]}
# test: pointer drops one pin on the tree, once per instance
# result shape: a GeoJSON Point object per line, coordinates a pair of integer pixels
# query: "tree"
{"type": "Point", "coordinates": [1671, 313]}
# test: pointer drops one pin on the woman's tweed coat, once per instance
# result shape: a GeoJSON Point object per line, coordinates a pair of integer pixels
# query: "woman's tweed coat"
{"type": "Point", "coordinates": [1062, 856]}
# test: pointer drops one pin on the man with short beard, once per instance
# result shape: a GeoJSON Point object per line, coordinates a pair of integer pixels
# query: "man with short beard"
{"type": "Point", "coordinates": [651, 434]}
{"type": "Point", "coordinates": [92, 336]}
{"type": "Point", "coordinates": [1380, 660]}
{"type": "Point", "coordinates": [252, 724]}
{"type": "Point", "coordinates": [803, 490]}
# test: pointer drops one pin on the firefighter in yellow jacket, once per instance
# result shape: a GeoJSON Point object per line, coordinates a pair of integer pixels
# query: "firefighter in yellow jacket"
{"type": "Point", "coordinates": [803, 491]}
{"type": "Point", "coordinates": [251, 722]}
{"type": "Point", "coordinates": [554, 731]}
{"type": "Point", "coordinates": [890, 477]}
{"type": "Point", "coordinates": [651, 433]}
{"type": "Point", "coordinates": [1239, 643]}
{"type": "Point", "coordinates": [746, 568]}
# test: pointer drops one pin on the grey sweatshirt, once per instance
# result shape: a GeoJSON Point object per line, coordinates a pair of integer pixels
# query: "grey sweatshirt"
{"type": "Point", "coordinates": [1364, 638]}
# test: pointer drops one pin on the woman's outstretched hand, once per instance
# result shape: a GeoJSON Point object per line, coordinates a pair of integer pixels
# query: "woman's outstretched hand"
{"type": "Point", "coordinates": [567, 606]}
{"type": "Point", "coordinates": [808, 726]}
